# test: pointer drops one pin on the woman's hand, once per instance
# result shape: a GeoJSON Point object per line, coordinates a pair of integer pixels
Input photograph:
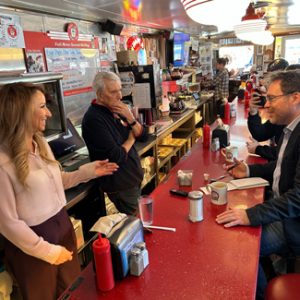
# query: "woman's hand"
{"type": "Point", "coordinates": [65, 255]}
{"type": "Point", "coordinates": [104, 167]}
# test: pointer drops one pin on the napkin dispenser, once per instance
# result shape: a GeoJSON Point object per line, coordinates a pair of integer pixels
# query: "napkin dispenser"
{"type": "Point", "coordinates": [122, 238]}
{"type": "Point", "coordinates": [223, 134]}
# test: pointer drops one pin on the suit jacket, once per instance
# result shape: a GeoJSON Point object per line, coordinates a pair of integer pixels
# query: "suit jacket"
{"type": "Point", "coordinates": [286, 207]}
{"type": "Point", "coordinates": [267, 152]}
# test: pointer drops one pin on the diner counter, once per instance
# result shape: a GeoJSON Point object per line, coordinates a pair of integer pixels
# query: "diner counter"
{"type": "Point", "coordinates": [200, 260]}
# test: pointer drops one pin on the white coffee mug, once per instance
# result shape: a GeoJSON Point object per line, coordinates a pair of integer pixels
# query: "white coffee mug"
{"type": "Point", "coordinates": [218, 192]}
{"type": "Point", "coordinates": [230, 153]}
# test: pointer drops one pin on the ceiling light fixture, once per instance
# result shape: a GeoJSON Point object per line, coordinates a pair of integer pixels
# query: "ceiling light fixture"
{"type": "Point", "coordinates": [263, 38]}
{"type": "Point", "coordinates": [252, 24]}
{"type": "Point", "coordinates": [213, 12]}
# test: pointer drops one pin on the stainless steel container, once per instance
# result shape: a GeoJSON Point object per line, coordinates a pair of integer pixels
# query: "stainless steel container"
{"type": "Point", "coordinates": [196, 206]}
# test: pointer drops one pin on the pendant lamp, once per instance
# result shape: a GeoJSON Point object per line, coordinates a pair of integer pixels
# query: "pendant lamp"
{"type": "Point", "coordinates": [215, 12]}
{"type": "Point", "coordinates": [263, 38]}
{"type": "Point", "coordinates": [251, 24]}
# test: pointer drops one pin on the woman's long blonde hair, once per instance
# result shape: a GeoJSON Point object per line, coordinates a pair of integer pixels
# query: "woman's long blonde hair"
{"type": "Point", "coordinates": [16, 115]}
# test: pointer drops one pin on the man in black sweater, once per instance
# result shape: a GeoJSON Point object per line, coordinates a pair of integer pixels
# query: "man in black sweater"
{"type": "Point", "coordinates": [280, 215]}
{"type": "Point", "coordinates": [110, 131]}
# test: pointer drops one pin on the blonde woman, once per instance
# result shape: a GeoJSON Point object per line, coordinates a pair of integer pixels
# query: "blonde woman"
{"type": "Point", "coordinates": [40, 247]}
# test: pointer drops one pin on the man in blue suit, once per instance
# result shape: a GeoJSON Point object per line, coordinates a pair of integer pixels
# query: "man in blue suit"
{"type": "Point", "coordinates": [279, 216]}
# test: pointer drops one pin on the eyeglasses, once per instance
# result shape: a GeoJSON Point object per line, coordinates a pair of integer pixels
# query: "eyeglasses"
{"type": "Point", "coordinates": [273, 98]}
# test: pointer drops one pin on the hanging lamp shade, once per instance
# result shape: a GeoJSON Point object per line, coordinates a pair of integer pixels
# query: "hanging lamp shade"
{"type": "Point", "coordinates": [251, 24]}
{"type": "Point", "coordinates": [263, 38]}
{"type": "Point", "coordinates": [215, 12]}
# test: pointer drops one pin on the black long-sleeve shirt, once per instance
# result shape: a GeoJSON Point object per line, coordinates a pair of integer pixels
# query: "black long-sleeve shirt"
{"type": "Point", "coordinates": [104, 136]}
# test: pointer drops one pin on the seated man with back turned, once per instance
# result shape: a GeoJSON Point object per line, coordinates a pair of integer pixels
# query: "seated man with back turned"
{"type": "Point", "coordinates": [280, 215]}
{"type": "Point", "coordinates": [110, 130]}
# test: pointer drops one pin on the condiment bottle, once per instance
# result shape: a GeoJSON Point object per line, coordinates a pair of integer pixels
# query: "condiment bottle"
{"type": "Point", "coordinates": [144, 251]}
{"type": "Point", "coordinates": [215, 145]}
{"type": "Point", "coordinates": [136, 262]}
{"type": "Point", "coordinates": [226, 118]}
{"type": "Point", "coordinates": [103, 264]}
{"type": "Point", "coordinates": [206, 136]}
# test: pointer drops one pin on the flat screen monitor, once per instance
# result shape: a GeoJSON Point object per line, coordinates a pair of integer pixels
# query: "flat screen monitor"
{"type": "Point", "coordinates": [67, 143]}
{"type": "Point", "coordinates": [56, 125]}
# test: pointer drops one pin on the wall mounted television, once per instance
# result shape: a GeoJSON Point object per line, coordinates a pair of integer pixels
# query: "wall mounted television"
{"type": "Point", "coordinates": [179, 54]}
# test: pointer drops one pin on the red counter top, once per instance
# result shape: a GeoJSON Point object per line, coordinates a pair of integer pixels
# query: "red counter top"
{"type": "Point", "coordinates": [200, 260]}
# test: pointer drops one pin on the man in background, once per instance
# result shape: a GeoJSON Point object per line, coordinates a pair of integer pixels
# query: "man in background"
{"type": "Point", "coordinates": [110, 131]}
{"type": "Point", "coordinates": [221, 82]}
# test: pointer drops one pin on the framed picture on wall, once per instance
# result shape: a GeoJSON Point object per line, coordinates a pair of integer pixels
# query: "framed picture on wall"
{"type": "Point", "coordinates": [35, 61]}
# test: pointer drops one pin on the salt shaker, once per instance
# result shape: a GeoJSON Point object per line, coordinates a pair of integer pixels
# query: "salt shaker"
{"type": "Point", "coordinates": [136, 262]}
{"type": "Point", "coordinates": [215, 145]}
{"type": "Point", "coordinates": [144, 251]}
{"type": "Point", "coordinates": [196, 206]}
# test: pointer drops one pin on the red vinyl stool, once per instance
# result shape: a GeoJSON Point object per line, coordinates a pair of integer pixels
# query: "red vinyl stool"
{"type": "Point", "coordinates": [284, 287]}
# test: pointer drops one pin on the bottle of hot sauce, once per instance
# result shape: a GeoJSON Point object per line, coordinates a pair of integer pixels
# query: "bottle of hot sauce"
{"type": "Point", "coordinates": [206, 136]}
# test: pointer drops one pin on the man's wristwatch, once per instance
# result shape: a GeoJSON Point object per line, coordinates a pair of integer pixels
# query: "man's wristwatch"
{"type": "Point", "coordinates": [132, 124]}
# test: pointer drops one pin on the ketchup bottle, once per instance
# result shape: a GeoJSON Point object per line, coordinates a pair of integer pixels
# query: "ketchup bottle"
{"type": "Point", "coordinates": [206, 136]}
{"type": "Point", "coordinates": [103, 264]}
{"type": "Point", "coordinates": [247, 98]}
{"type": "Point", "coordinates": [226, 119]}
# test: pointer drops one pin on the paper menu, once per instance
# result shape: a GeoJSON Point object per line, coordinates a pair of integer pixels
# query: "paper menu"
{"type": "Point", "coordinates": [239, 184]}
{"type": "Point", "coordinates": [246, 183]}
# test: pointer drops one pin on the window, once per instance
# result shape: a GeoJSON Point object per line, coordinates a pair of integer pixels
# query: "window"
{"type": "Point", "coordinates": [239, 57]}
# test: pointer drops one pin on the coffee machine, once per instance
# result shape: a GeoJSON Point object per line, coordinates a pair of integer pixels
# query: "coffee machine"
{"type": "Point", "coordinates": [146, 91]}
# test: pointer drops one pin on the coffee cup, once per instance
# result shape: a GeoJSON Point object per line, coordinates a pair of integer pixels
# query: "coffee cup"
{"type": "Point", "coordinates": [230, 153]}
{"type": "Point", "coordinates": [218, 192]}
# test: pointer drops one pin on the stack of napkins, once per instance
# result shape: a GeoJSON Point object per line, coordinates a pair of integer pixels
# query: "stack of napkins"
{"type": "Point", "coordinates": [239, 184]}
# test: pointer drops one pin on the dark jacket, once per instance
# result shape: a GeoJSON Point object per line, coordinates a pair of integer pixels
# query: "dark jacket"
{"type": "Point", "coordinates": [267, 152]}
{"type": "Point", "coordinates": [263, 132]}
{"type": "Point", "coordinates": [104, 136]}
{"type": "Point", "coordinates": [285, 208]}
